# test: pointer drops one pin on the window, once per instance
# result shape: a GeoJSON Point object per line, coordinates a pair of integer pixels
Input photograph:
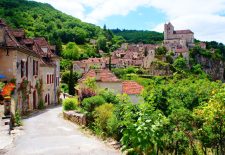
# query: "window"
{"type": "Point", "coordinates": [47, 79]}
{"type": "Point", "coordinates": [27, 68]}
{"type": "Point", "coordinates": [22, 68]}
{"type": "Point", "coordinates": [35, 67]}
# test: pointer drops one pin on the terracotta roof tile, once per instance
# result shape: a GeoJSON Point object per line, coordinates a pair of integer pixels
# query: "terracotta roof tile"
{"type": "Point", "coordinates": [18, 33]}
{"type": "Point", "coordinates": [102, 75]}
{"type": "Point", "coordinates": [183, 32]}
{"type": "Point", "coordinates": [131, 88]}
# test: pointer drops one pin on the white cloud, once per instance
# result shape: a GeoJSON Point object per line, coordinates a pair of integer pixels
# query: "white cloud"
{"type": "Point", "coordinates": [201, 16]}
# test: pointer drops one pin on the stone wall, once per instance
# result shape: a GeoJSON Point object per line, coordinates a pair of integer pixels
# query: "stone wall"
{"type": "Point", "coordinates": [75, 117]}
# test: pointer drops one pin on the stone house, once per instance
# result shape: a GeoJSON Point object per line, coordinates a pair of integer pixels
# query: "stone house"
{"type": "Point", "coordinates": [105, 79]}
{"type": "Point", "coordinates": [23, 60]}
{"type": "Point", "coordinates": [84, 66]}
{"type": "Point", "coordinates": [133, 90]}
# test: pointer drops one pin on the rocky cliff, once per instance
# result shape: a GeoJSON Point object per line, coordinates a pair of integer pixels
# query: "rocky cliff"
{"type": "Point", "coordinates": [213, 67]}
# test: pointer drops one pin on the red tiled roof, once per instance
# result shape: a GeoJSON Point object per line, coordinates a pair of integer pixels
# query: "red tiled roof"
{"type": "Point", "coordinates": [181, 50]}
{"type": "Point", "coordinates": [183, 32]}
{"type": "Point", "coordinates": [102, 75]}
{"type": "Point", "coordinates": [28, 41]}
{"type": "Point", "coordinates": [131, 88]}
{"type": "Point", "coordinates": [18, 33]}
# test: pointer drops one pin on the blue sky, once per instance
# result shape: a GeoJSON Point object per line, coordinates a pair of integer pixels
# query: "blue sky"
{"type": "Point", "coordinates": [144, 18]}
{"type": "Point", "coordinates": [206, 18]}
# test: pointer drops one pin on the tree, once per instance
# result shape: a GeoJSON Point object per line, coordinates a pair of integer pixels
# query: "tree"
{"type": "Point", "coordinates": [71, 51]}
{"type": "Point", "coordinates": [161, 50]}
{"type": "Point", "coordinates": [180, 64]}
{"type": "Point", "coordinates": [102, 44]}
{"type": "Point", "coordinates": [211, 116]}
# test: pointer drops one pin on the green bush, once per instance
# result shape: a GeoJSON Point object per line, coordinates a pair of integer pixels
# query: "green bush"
{"type": "Point", "coordinates": [113, 126]}
{"type": "Point", "coordinates": [64, 88]}
{"type": "Point", "coordinates": [70, 103]}
{"type": "Point", "coordinates": [102, 115]}
{"type": "Point", "coordinates": [109, 96]}
{"type": "Point", "coordinates": [89, 104]}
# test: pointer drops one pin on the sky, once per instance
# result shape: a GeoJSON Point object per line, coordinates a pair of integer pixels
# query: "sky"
{"type": "Point", "coordinates": [206, 18]}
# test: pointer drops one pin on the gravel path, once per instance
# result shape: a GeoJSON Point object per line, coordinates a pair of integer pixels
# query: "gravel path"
{"type": "Point", "coordinates": [48, 133]}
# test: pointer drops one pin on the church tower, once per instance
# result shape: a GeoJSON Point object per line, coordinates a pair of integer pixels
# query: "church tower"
{"type": "Point", "coordinates": [168, 31]}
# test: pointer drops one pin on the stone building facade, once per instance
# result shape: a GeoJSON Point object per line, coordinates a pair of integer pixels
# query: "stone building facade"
{"type": "Point", "coordinates": [178, 41]}
{"type": "Point", "coordinates": [29, 62]}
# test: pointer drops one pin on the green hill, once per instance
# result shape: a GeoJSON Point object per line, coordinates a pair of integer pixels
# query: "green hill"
{"type": "Point", "coordinates": [40, 19]}
{"type": "Point", "coordinates": [137, 36]}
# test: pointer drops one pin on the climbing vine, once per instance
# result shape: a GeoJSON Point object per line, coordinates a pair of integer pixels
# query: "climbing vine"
{"type": "Point", "coordinates": [39, 87]}
{"type": "Point", "coordinates": [25, 90]}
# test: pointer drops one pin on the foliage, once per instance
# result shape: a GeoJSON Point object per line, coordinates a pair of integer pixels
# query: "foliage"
{"type": "Point", "coordinates": [122, 72]}
{"type": "Point", "coordinates": [180, 64]}
{"type": "Point", "coordinates": [70, 78]}
{"type": "Point", "coordinates": [71, 51]}
{"type": "Point", "coordinates": [1, 85]}
{"type": "Point", "coordinates": [70, 103]}
{"type": "Point", "coordinates": [90, 83]}
{"type": "Point", "coordinates": [161, 50]}
{"type": "Point", "coordinates": [211, 120]}
{"type": "Point", "coordinates": [17, 118]}
{"type": "Point", "coordinates": [40, 19]}
{"type": "Point", "coordinates": [89, 104]}
{"type": "Point", "coordinates": [135, 36]}
{"type": "Point", "coordinates": [65, 64]}
{"type": "Point", "coordinates": [109, 96]}
{"type": "Point", "coordinates": [41, 104]}
{"type": "Point", "coordinates": [39, 87]}
{"type": "Point", "coordinates": [66, 77]}
{"type": "Point", "coordinates": [64, 87]}
{"type": "Point", "coordinates": [101, 116]}
{"type": "Point", "coordinates": [8, 89]}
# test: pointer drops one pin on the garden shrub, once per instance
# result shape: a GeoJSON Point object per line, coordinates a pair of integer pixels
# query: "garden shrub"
{"type": "Point", "coordinates": [113, 126]}
{"type": "Point", "coordinates": [64, 88]}
{"type": "Point", "coordinates": [70, 103]}
{"type": "Point", "coordinates": [89, 104]}
{"type": "Point", "coordinates": [102, 115]}
{"type": "Point", "coordinates": [109, 96]}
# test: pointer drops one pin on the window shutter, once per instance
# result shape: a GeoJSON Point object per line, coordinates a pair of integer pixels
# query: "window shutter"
{"type": "Point", "coordinates": [27, 69]}
{"type": "Point", "coordinates": [22, 66]}
{"type": "Point", "coordinates": [47, 78]}
{"type": "Point", "coordinates": [36, 67]}
{"type": "Point", "coordinates": [33, 67]}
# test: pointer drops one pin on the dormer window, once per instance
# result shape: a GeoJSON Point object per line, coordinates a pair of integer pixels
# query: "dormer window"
{"type": "Point", "coordinates": [44, 49]}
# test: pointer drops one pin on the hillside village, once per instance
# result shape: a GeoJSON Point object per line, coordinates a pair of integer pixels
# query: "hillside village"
{"type": "Point", "coordinates": [112, 92]}
{"type": "Point", "coordinates": [177, 42]}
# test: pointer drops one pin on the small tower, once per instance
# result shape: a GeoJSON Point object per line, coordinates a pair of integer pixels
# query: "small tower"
{"type": "Point", "coordinates": [168, 30]}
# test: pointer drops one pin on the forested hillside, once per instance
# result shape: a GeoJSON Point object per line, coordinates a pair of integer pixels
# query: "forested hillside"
{"type": "Point", "coordinates": [137, 36]}
{"type": "Point", "coordinates": [40, 19]}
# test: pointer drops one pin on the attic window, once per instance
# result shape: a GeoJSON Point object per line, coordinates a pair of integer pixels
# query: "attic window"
{"type": "Point", "coordinates": [44, 49]}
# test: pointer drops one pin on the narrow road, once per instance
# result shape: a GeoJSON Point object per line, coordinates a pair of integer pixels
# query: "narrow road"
{"type": "Point", "coordinates": [48, 133]}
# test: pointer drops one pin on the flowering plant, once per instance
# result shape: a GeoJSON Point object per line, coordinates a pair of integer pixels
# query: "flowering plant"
{"type": "Point", "coordinates": [8, 89]}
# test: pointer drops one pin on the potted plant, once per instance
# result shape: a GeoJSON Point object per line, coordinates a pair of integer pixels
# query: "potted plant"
{"type": "Point", "coordinates": [7, 91]}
